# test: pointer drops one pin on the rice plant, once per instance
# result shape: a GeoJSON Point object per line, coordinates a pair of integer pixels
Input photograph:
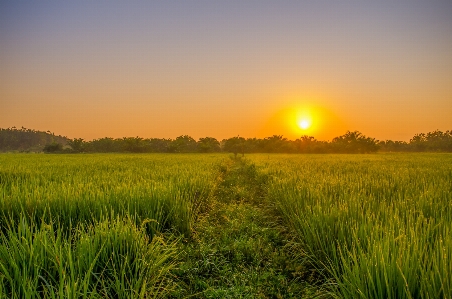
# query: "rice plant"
{"type": "Point", "coordinates": [94, 226]}
{"type": "Point", "coordinates": [376, 226]}
{"type": "Point", "coordinates": [110, 225]}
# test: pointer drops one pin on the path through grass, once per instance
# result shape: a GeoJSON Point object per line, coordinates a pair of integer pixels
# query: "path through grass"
{"type": "Point", "coordinates": [239, 249]}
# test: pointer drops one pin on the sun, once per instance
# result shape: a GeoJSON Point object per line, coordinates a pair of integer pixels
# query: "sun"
{"type": "Point", "coordinates": [302, 118]}
{"type": "Point", "coordinates": [304, 124]}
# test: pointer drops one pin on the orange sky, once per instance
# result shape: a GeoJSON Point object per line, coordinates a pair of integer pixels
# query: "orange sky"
{"type": "Point", "coordinates": [209, 69]}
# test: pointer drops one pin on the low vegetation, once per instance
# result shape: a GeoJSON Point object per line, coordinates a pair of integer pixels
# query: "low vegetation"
{"type": "Point", "coordinates": [239, 248]}
{"type": "Point", "coordinates": [219, 226]}
{"type": "Point", "coordinates": [374, 227]}
{"type": "Point", "coordinates": [96, 225]}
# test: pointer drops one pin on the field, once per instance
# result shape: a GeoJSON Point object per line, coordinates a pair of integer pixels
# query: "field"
{"type": "Point", "coordinates": [210, 226]}
{"type": "Point", "coordinates": [380, 226]}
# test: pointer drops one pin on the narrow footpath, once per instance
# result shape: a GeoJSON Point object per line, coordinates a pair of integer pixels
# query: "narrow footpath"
{"type": "Point", "coordinates": [239, 248]}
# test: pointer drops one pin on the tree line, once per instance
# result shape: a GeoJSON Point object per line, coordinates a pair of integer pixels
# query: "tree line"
{"type": "Point", "coordinates": [27, 140]}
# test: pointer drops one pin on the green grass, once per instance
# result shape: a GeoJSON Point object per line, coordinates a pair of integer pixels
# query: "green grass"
{"type": "Point", "coordinates": [84, 188]}
{"type": "Point", "coordinates": [96, 225]}
{"type": "Point", "coordinates": [376, 226]}
{"type": "Point", "coordinates": [108, 260]}
{"type": "Point", "coordinates": [208, 226]}
{"type": "Point", "coordinates": [240, 250]}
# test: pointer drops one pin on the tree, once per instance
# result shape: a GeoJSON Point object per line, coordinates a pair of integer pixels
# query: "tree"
{"type": "Point", "coordinates": [104, 145]}
{"type": "Point", "coordinates": [77, 145]}
{"type": "Point", "coordinates": [134, 144]}
{"type": "Point", "coordinates": [157, 145]}
{"type": "Point", "coordinates": [354, 142]}
{"type": "Point", "coordinates": [308, 144]}
{"type": "Point", "coordinates": [419, 142]}
{"type": "Point", "coordinates": [275, 144]}
{"type": "Point", "coordinates": [393, 146]}
{"type": "Point", "coordinates": [439, 141]}
{"type": "Point", "coordinates": [208, 145]}
{"type": "Point", "coordinates": [183, 144]}
{"type": "Point", "coordinates": [235, 145]}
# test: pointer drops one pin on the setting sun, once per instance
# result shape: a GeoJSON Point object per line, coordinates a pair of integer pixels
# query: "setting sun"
{"type": "Point", "coordinates": [304, 124]}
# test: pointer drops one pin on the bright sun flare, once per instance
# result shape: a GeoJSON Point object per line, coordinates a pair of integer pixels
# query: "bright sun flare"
{"type": "Point", "coordinates": [304, 124]}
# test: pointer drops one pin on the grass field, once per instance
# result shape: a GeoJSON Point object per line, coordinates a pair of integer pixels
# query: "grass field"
{"type": "Point", "coordinates": [91, 225]}
{"type": "Point", "coordinates": [378, 226]}
{"type": "Point", "coordinates": [208, 226]}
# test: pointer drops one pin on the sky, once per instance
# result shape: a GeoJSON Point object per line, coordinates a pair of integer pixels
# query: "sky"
{"type": "Point", "coordinates": [92, 69]}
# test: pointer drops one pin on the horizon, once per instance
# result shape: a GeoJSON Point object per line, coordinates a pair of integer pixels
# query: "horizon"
{"type": "Point", "coordinates": [219, 139]}
{"type": "Point", "coordinates": [250, 69]}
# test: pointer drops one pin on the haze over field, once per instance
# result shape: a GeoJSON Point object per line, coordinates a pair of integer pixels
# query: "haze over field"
{"type": "Point", "coordinates": [204, 68]}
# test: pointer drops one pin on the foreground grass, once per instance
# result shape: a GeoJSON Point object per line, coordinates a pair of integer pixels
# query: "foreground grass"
{"type": "Point", "coordinates": [96, 226]}
{"type": "Point", "coordinates": [240, 250]}
{"type": "Point", "coordinates": [112, 259]}
{"type": "Point", "coordinates": [377, 226]}
{"type": "Point", "coordinates": [207, 226]}
{"type": "Point", "coordinates": [142, 226]}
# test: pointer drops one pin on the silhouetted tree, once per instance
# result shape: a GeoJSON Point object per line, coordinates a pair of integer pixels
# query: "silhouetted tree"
{"type": "Point", "coordinates": [234, 145]}
{"type": "Point", "coordinates": [77, 145]}
{"type": "Point", "coordinates": [134, 144]}
{"type": "Point", "coordinates": [208, 145]}
{"type": "Point", "coordinates": [104, 145]}
{"type": "Point", "coordinates": [183, 144]}
{"type": "Point", "coordinates": [276, 144]}
{"type": "Point", "coordinates": [418, 142]}
{"type": "Point", "coordinates": [393, 146]}
{"type": "Point", "coordinates": [439, 141]}
{"type": "Point", "coordinates": [308, 144]}
{"type": "Point", "coordinates": [157, 145]}
{"type": "Point", "coordinates": [354, 142]}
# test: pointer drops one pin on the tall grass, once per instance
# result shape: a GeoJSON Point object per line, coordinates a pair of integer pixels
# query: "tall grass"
{"type": "Point", "coordinates": [111, 259]}
{"type": "Point", "coordinates": [107, 226]}
{"type": "Point", "coordinates": [84, 188]}
{"type": "Point", "coordinates": [91, 226]}
{"type": "Point", "coordinates": [377, 226]}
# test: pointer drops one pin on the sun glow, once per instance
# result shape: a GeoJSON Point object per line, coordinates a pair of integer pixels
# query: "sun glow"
{"type": "Point", "coordinates": [302, 118]}
{"type": "Point", "coordinates": [304, 124]}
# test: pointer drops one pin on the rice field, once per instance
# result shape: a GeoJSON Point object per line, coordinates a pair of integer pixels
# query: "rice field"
{"type": "Point", "coordinates": [91, 225]}
{"type": "Point", "coordinates": [112, 225]}
{"type": "Point", "coordinates": [376, 226]}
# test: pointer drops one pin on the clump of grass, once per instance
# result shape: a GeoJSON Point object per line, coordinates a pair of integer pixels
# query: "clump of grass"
{"type": "Point", "coordinates": [112, 259]}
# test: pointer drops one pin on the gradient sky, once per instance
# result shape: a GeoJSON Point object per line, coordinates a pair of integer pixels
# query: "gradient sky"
{"type": "Point", "coordinates": [93, 69]}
